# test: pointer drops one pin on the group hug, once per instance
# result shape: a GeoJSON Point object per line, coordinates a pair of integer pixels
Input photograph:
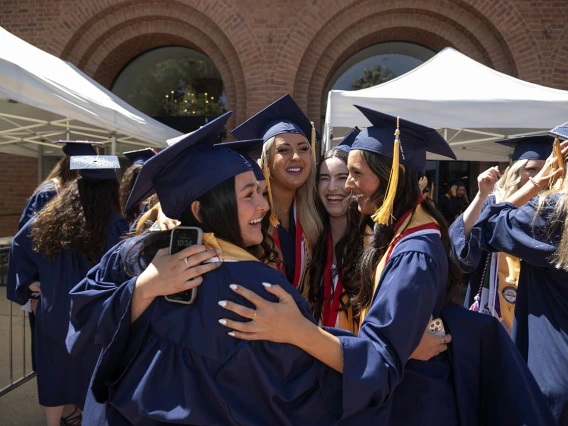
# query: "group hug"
{"type": "Point", "coordinates": [323, 289]}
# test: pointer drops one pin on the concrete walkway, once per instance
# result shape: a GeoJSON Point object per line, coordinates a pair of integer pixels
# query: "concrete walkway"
{"type": "Point", "coordinates": [20, 407]}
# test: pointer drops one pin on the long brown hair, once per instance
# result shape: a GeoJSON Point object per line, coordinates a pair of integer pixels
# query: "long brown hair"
{"type": "Point", "coordinates": [126, 184]}
{"type": "Point", "coordinates": [407, 193]}
{"type": "Point", "coordinates": [77, 219]}
{"type": "Point", "coordinates": [61, 175]}
{"type": "Point", "coordinates": [347, 250]}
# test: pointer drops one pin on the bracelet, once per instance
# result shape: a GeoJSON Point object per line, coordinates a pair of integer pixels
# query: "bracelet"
{"type": "Point", "coordinates": [535, 183]}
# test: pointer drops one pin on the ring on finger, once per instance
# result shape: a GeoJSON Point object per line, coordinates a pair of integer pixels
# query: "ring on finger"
{"type": "Point", "coordinates": [253, 315]}
{"type": "Point", "coordinates": [186, 262]}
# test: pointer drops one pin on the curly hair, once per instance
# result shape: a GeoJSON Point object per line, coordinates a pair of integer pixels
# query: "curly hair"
{"type": "Point", "coordinates": [61, 175]}
{"type": "Point", "coordinates": [347, 250]}
{"type": "Point", "coordinates": [407, 193]}
{"type": "Point", "coordinates": [126, 184]}
{"type": "Point", "coordinates": [78, 219]}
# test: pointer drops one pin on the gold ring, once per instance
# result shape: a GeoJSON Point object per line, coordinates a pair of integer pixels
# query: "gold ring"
{"type": "Point", "coordinates": [253, 315]}
{"type": "Point", "coordinates": [185, 260]}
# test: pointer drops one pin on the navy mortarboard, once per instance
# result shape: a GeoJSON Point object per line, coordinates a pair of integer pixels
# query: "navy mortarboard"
{"type": "Point", "coordinates": [347, 141]}
{"type": "Point", "coordinates": [79, 147]}
{"type": "Point", "coordinates": [251, 150]}
{"type": "Point", "coordinates": [534, 147]}
{"type": "Point", "coordinates": [280, 117]}
{"type": "Point", "coordinates": [95, 167]}
{"type": "Point", "coordinates": [560, 131]}
{"type": "Point", "coordinates": [189, 168]}
{"type": "Point", "coordinates": [411, 142]}
{"type": "Point", "coordinates": [140, 156]}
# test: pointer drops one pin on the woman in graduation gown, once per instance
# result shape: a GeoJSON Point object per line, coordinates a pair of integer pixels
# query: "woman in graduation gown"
{"type": "Point", "coordinates": [288, 164]}
{"type": "Point", "coordinates": [532, 226]}
{"type": "Point", "coordinates": [165, 362]}
{"type": "Point", "coordinates": [492, 286]}
{"type": "Point", "coordinates": [50, 255]}
{"type": "Point", "coordinates": [409, 284]}
{"type": "Point", "coordinates": [340, 245]}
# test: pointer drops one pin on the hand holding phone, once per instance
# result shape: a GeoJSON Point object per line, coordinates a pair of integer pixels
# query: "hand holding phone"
{"type": "Point", "coordinates": [436, 327]}
{"type": "Point", "coordinates": [181, 238]}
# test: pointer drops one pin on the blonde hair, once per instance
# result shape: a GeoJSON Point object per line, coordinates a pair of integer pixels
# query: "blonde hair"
{"type": "Point", "coordinates": [559, 218]}
{"type": "Point", "coordinates": [509, 182]}
{"type": "Point", "coordinates": [305, 196]}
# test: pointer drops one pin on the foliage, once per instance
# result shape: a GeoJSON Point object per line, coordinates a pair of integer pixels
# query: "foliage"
{"type": "Point", "coordinates": [372, 77]}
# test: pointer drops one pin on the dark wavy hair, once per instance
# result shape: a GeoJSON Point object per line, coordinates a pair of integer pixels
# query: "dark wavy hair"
{"type": "Point", "coordinates": [77, 219]}
{"type": "Point", "coordinates": [347, 249]}
{"type": "Point", "coordinates": [407, 193]}
{"type": "Point", "coordinates": [126, 184]}
{"type": "Point", "coordinates": [219, 215]}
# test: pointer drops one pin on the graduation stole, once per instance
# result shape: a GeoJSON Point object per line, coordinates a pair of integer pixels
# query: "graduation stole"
{"type": "Point", "coordinates": [412, 223]}
{"type": "Point", "coordinates": [229, 251]}
{"type": "Point", "coordinates": [331, 305]}
{"type": "Point", "coordinates": [302, 253]}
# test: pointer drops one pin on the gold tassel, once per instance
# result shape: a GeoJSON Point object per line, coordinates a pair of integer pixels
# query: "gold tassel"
{"type": "Point", "coordinates": [313, 142]}
{"type": "Point", "coordinates": [274, 222]}
{"type": "Point", "coordinates": [383, 215]}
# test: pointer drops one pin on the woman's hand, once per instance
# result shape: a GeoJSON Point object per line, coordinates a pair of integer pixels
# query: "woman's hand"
{"type": "Point", "coordinates": [169, 274]}
{"type": "Point", "coordinates": [422, 183]}
{"type": "Point", "coordinates": [280, 322]}
{"type": "Point", "coordinates": [550, 173]}
{"type": "Point", "coordinates": [430, 345]}
{"type": "Point", "coordinates": [486, 181]}
{"type": "Point", "coordinates": [165, 222]}
{"type": "Point", "coordinates": [35, 288]}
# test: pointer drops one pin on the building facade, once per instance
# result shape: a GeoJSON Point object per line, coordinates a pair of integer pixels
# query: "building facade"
{"type": "Point", "coordinates": [262, 49]}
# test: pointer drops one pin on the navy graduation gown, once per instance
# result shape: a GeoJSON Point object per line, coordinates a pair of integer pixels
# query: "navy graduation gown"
{"type": "Point", "coordinates": [469, 255]}
{"type": "Point", "coordinates": [412, 288]}
{"type": "Point", "coordinates": [492, 382]}
{"type": "Point", "coordinates": [287, 239]}
{"type": "Point", "coordinates": [62, 379]}
{"type": "Point", "coordinates": [540, 330]}
{"type": "Point", "coordinates": [177, 364]}
{"type": "Point", "coordinates": [37, 202]}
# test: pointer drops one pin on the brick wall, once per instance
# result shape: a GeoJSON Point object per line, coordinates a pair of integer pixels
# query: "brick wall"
{"type": "Point", "coordinates": [265, 48]}
{"type": "Point", "coordinates": [19, 179]}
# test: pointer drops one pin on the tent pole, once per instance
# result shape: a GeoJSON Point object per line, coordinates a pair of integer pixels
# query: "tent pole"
{"type": "Point", "coordinates": [39, 164]}
{"type": "Point", "coordinates": [113, 144]}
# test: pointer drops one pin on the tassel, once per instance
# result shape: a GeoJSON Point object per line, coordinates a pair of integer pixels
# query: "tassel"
{"type": "Point", "coordinates": [383, 215]}
{"type": "Point", "coordinates": [313, 142]}
{"type": "Point", "coordinates": [274, 222]}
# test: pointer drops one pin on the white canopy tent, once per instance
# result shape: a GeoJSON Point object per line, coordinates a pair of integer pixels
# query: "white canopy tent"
{"type": "Point", "coordinates": [43, 98]}
{"type": "Point", "coordinates": [470, 104]}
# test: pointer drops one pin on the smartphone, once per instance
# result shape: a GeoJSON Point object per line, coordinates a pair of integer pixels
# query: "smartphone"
{"type": "Point", "coordinates": [436, 327]}
{"type": "Point", "coordinates": [558, 153]}
{"type": "Point", "coordinates": [181, 238]}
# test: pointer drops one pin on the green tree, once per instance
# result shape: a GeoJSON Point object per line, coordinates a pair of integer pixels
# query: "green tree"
{"type": "Point", "coordinates": [372, 77]}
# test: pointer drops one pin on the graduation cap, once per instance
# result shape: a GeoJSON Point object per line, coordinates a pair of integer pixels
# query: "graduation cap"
{"type": "Point", "coordinates": [411, 142]}
{"type": "Point", "coordinates": [79, 147]}
{"type": "Point", "coordinates": [347, 141]}
{"type": "Point", "coordinates": [560, 131]}
{"type": "Point", "coordinates": [140, 156]}
{"type": "Point", "coordinates": [95, 167]}
{"type": "Point", "coordinates": [184, 171]}
{"type": "Point", "coordinates": [251, 151]}
{"type": "Point", "coordinates": [282, 116]}
{"type": "Point", "coordinates": [533, 147]}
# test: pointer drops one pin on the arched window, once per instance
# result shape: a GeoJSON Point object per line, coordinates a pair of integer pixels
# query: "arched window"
{"type": "Point", "coordinates": [377, 64]}
{"type": "Point", "coordinates": [173, 82]}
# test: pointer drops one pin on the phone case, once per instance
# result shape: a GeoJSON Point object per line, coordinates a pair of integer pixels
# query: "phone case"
{"type": "Point", "coordinates": [436, 327]}
{"type": "Point", "coordinates": [176, 298]}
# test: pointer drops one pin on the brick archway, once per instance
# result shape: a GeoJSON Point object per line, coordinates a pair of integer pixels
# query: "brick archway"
{"type": "Point", "coordinates": [435, 24]}
{"type": "Point", "coordinates": [108, 37]}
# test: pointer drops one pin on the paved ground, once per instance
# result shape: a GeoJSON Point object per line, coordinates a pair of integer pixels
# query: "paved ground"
{"type": "Point", "coordinates": [19, 406]}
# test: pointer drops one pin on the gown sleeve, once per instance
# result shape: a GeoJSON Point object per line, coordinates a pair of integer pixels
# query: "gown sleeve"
{"type": "Point", "coordinates": [22, 267]}
{"type": "Point", "coordinates": [373, 362]}
{"type": "Point", "coordinates": [36, 203]}
{"type": "Point", "coordinates": [467, 252]}
{"type": "Point", "coordinates": [520, 232]}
